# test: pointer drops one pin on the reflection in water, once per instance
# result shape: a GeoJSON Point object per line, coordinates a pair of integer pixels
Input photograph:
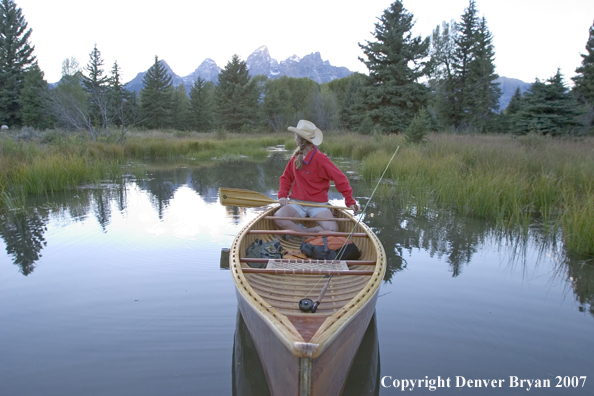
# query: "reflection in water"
{"type": "Point", "coordinates": [249, 378]}
{"type": "Point", "coordinates": [447, 235]}
{"type": "Point", "coordinates": [23, 234]}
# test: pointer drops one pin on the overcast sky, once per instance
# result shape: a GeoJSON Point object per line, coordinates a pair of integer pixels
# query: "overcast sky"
{"type": "Point", "coordinates": [532, 38]}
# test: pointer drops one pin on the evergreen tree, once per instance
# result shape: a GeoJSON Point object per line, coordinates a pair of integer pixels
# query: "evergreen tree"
{"type": "Point", "coordinates": [123, 104]}
{"type": "Point", "coordinates": [547, 109]}
{"type": "Point", "coordinates": [96, 85]}
{"type": "Point", "coordinates": [584, 80]}
{"type": "Point", "coordinates": [418, 128]}
{"type": "Point", "coordinates": [16, 55]}
{"type": "Point", "coordinates": [465, 41]}
{"type": "Point", "coordinates": [443, 81]}
{"type": "Point", "coordinates": [514, 104]}
{"type": "Point", "coordinates": [157, 96]}
{"type": "Point", "coordinates": [395, 61]}
{"type": "Point", "coordinates": [34, 101]}
{"type": "Point", "coordinates": [201, 105]}
{"type": "Point", "coordinates": [236, 96]}
{"type": "Point", "coordinates": [482, 93]}
{"type": "Point", "coordinates": [116, 93]}
{"type": "Point", "coordinates": [463, 73]}
{"type": "Point", "coordinates": [180, 109]}
{"type": "Point", "coordinates": [352, 102]}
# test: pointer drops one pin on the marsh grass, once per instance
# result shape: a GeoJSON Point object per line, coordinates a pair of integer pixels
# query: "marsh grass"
{"type": "Point", "coordinates": [517, 183]}
{"type": "Point", "coordinates": [56, 160]}
{"type": "Point", "coordinates": [520, 183]}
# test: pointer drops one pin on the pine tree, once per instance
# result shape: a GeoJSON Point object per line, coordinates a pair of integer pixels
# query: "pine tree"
{"type": "Point", "coordinates": [463, 77]}
{"type": "Point", "coordinates": [116, 93]}
{"type": "Point", "coordinates": [482, 93]}
{"type": "Point", "coordinates": [201, 105]}
{"type": "Point", "coordinates": [236, 97]}
{"type": "Point", "coordinates": [584, 80]}
{"type": "Point", "coordinates": [515, 103]}
{"type": "Point", "coordinates": [157, 96]}
{"type": "Point", "coordinates": [180, 109]}
{"type": "Point", "coordinates": [96, 85]}
{"type": "Point", "coordinates": [418, 128]}
{"type": "Point", "coordinates": [16, 55]}
{"type": "Point", "coordinates": [352, 101]}
{"type": "Point", "coordinates": [443, 79]}
{"type": "Point", "coordinates": [465, 41]}
{"type": "Point", "coordinates": [547, 109]}
{"type": "Point", "coordinates": [395, 61]}
{"type": "Point", "coordinates": [122, 103]}
{"type": "Point", "coordinates": [34, 99]}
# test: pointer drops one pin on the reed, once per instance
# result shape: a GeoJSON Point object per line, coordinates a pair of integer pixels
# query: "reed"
{"type": "Point", "coordinates": [547, 184]}
{"type": "Point", "coordinates": [525, 182]}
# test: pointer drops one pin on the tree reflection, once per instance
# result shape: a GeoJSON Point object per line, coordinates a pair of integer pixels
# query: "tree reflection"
{"type": "Point", "coordinates": [442, 234]}
{"type": "Point", "coordinates": [23, 234]}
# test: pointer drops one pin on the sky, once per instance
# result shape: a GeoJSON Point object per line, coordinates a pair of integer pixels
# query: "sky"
{"type": "Point", "coordinates": [532, 38]}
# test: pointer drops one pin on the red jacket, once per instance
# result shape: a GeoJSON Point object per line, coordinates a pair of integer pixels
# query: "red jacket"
{"type": "Point", "coordinates": [312, 181]}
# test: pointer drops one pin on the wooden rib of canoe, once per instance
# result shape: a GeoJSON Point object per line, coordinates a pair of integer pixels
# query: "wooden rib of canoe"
{"type": "Point", "coordinates": [307, 354]}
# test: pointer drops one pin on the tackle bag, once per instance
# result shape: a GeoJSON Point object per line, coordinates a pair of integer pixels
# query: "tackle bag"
{"type": "Point", "coordinates": [330, 248]}
{"type": "Point", "coordinates": [260, 249]}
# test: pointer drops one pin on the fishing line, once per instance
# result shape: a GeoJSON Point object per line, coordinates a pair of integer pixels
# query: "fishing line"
{"type": "Point", "coordinates": [343, 248]}
{"type": "Point", "coordinates": [307, 304]}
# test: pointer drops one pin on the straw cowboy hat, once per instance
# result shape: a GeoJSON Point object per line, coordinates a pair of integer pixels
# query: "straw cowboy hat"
{"type": "Point", "coordinates": [308, 131]}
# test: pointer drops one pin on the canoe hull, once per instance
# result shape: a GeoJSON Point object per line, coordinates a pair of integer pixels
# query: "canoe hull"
{"type": "Point", "coordinates": [296, 362]}
{"type": "Point", "coordinates": [328, 371]}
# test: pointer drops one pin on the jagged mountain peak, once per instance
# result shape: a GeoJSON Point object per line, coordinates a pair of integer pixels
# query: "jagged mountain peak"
{"type": "Point", "coordinates": [258, 62]}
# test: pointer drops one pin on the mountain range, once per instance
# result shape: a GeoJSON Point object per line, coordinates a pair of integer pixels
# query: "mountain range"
{"type": "Point", "coordinates": [259, 62]}
{"type": "Point", "coordinates": [311, 66]}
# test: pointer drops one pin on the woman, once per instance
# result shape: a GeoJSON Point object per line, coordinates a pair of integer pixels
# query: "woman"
{"type": "Point", "coordinates": [307, 179]}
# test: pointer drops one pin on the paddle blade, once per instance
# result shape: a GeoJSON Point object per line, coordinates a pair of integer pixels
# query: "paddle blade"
{"type": "Point", "coordinates": [243, 198]}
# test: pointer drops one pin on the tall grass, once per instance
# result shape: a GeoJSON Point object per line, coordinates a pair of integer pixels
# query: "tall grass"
{"type": "Point", "coordinates": [516, 182]}
{"type": "Point", "coordinates": [31, 167]}
{"type": "Point", "coordinates": [513, 182]}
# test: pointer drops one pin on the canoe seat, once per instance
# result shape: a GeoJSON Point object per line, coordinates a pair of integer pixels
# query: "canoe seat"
{"type": "Point", "coordinates": [308, 264]}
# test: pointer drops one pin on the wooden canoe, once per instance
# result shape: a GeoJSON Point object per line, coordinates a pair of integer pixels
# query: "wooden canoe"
{"type": "Point", "coordinates": [307, 354]}
{"type": "Point", "coordinates": [248, 377]}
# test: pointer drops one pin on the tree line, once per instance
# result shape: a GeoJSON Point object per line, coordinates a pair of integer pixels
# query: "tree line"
{"type": "Point", "coordinates": [442, 82]}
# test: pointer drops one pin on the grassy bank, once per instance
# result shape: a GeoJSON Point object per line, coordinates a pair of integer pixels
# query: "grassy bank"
{"type": "Point", "coordinates": [46, 162]}
{"type": "Point", "coordinates": [516, 182]}
{"type": "Point", "coordinates": [527, 181]}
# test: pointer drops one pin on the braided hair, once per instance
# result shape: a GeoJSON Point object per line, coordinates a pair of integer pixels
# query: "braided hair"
{"type": "Point", "coordinates": [302, 144]}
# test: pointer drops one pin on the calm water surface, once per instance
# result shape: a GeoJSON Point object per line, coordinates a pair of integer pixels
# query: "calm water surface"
{"type": "Point", "coordinates": [116, 290]}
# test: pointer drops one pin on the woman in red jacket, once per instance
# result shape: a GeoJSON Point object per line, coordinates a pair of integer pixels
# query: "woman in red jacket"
{"type": "Point", "coordinates": [307, 179]}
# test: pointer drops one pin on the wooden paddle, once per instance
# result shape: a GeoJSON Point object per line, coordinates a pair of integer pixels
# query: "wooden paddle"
{"type": "Point", "coordinates": [251, 199]}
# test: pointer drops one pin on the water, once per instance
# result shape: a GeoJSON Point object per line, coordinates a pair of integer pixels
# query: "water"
{"type": "Point", "coordinates": [116, 289]}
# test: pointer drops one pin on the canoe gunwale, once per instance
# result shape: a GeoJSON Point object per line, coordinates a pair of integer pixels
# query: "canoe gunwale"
{"type": "Point", "coordinates": [280, 324]}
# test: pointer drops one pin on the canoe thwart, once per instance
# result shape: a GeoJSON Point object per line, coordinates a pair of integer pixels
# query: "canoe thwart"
{"type": "Point", "coordinates": [303, 272]}
{"type": "Point", "coordinates": [337, 219]}
{"type": "Point", "coordinates": [265, 260]}
{"type": "Point", "coordinates": [297, 233]}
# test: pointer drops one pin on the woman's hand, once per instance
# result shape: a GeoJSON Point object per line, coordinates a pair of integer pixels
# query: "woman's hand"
{"type": "Point", "coordinates": [355, 209]}
{"type": "Point", "coordinates": [283, 201]}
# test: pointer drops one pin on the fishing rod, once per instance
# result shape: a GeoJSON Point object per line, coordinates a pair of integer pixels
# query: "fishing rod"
{"type": "Point", "coordinates": [306, 304]}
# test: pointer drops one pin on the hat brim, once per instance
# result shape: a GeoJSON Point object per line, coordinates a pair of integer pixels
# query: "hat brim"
{"type": "Point", "coordinates": [317, 139]}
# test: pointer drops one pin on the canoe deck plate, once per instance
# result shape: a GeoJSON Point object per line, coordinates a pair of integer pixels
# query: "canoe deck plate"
{"type": "Point", "coordinates": [308, 264]}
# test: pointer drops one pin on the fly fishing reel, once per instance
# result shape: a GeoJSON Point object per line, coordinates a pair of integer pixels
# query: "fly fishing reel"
{"type": "Point", "coordinates": [306, 304]}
